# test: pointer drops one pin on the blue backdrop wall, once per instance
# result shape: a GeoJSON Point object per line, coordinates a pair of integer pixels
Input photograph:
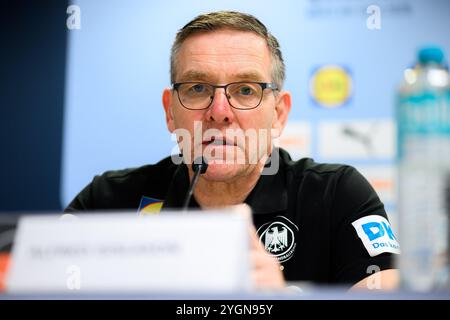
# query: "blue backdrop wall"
{"type": "Point", "coordinates": [68, 114]}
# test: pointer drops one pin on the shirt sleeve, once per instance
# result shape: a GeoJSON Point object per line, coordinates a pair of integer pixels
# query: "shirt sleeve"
{"type": "Point", "coordinates": [82, 201]}
{"type": "Point", "coordinates": [105, 192]}
{"type": "Point", "coordinates": [363, 239]}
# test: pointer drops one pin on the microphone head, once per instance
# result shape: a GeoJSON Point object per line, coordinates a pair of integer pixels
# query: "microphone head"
{"type": "Point", "coordinates": [200, 164]}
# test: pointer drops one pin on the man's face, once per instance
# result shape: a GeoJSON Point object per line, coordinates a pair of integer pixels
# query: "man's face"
{"type": "Point", "coordinates": [219, 58]}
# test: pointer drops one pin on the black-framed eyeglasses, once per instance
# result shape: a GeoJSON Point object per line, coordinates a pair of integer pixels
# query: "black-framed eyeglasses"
{"type": "Point", "coordinates": [240, 95]}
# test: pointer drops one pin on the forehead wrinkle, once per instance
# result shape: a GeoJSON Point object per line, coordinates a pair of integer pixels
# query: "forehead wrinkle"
{"type": "Point", "coordinates": [206, 69]}
{"type": "Point", "coordinates": [232, 55]}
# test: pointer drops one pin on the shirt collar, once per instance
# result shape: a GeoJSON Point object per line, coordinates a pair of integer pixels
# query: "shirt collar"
{"type": "Point", "coordinates": [269, 194]}
{"type": "Point", "coordinates": [177, 190]}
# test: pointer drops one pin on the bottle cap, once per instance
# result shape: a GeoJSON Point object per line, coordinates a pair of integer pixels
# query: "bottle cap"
{"type": "Point", "coordinates": [431, 54]}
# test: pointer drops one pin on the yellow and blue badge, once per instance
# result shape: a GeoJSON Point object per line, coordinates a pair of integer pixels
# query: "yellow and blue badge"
{"type": "Point", "coordinates": [331, 86]}
{"type": "Point", "coordinates": [149, 206]}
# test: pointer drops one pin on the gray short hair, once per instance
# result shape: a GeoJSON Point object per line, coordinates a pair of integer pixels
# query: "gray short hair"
{"type": "Point", "coordinates": [235, 21]}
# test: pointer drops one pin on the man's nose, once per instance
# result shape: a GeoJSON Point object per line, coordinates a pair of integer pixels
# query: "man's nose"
{"type": "Point", "coordinates": [220, 110]}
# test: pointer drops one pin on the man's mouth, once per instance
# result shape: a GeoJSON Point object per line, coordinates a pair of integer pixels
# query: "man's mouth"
{"type": "Point", "coordinates": [218, 141]}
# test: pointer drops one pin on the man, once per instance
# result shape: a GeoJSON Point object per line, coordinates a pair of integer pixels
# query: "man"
{"type": "Point", "coordinates": [317, 221]}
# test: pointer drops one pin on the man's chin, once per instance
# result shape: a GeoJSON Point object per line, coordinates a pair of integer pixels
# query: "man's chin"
{"type": "Point", "coordinates": [223, 172]}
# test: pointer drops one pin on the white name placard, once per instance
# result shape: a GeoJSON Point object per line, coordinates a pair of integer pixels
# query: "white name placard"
{"type": "Point", "coordinates": [169, 252]}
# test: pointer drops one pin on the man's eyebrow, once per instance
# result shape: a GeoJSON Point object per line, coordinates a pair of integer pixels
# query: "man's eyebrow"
{"type": "Point", "coordinates": [194, 75]}
{"type": "Point", "coordinates": [251, 75]}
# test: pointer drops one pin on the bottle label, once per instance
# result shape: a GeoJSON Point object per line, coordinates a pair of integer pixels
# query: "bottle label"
{"type": "Point", "coordinates": [423, 124]}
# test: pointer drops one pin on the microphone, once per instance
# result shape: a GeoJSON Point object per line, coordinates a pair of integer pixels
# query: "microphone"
{"type": "Point", "coordinates": [199, 166]}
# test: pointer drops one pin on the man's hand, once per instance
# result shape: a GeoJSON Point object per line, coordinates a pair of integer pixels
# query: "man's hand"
{"type": "Point", "coordinates": [266, 272]}
{"type": "Point", "coordinates": [387, 280]}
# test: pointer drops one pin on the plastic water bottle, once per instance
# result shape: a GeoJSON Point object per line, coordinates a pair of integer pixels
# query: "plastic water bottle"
{"type": "Point", "coordinates": [423, 128]}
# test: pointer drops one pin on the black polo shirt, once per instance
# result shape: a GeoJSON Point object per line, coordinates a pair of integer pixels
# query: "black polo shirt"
{"type": "Point", "coordinates": [323, 222]}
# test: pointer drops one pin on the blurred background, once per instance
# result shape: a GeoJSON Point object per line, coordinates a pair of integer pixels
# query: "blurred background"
{"type": "Point", "coordinates": [81, 85]}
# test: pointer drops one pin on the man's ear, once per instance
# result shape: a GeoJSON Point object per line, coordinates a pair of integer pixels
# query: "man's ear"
{"type": "Point", "coordinates": [282, 109]}
{"type": "Point", "coordinates": [168, 108]}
